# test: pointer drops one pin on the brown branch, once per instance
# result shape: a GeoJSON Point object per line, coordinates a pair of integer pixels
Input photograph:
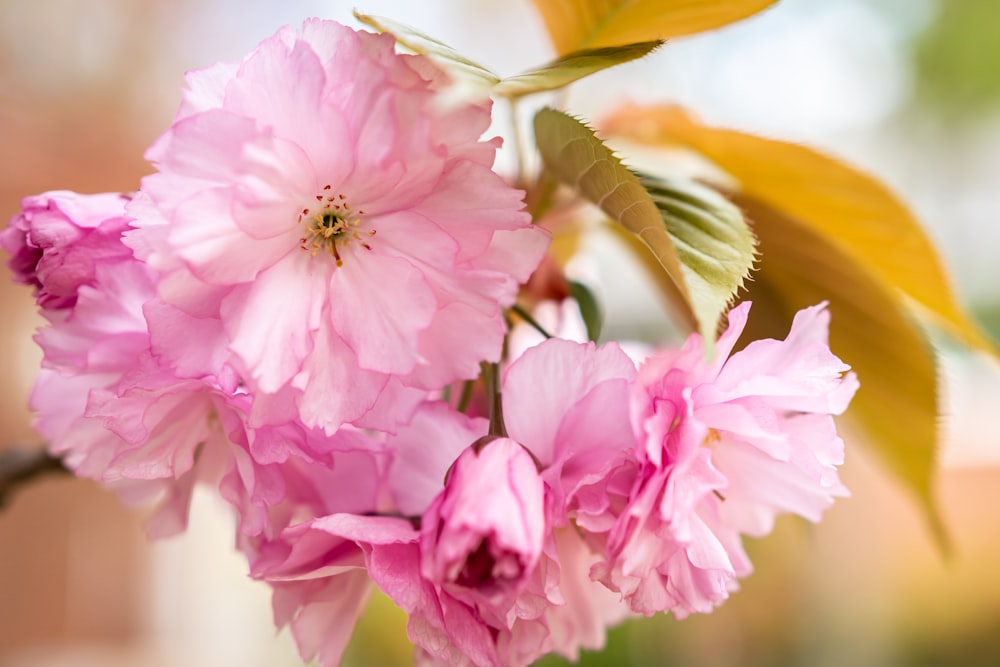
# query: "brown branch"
{"type": "Point", "coordinates": [20, 466]}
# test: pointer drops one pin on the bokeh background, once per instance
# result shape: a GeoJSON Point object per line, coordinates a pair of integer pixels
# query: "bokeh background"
{"type": "Point", "coordinates": [907, 89]}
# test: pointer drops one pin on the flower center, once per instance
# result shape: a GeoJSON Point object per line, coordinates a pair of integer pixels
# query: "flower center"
{"type": "Point", "coordinates": [487, 571]}
{"type": "Point", "coordinates": [330, 222]}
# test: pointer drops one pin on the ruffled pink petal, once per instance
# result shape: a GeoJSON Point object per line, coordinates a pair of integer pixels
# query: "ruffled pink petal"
{"type": "Point", "coordinates": [330, 609]}
{"type": "Point", "coordinates": [493, 205]}
{"type": "Point", "coordinates": [593, 437]}
{"type": "Point", "coordinates": [458, 327]}
{"type": "Point", "coordinates": [366, 311]}
{"type": "Point", "coordinates": [545, 383]}
{"type": "Point", "coordinates": [425, 450]}
{"type": "Point", "coordinates": [332, 390]}
{"type": "Point", "coordinates": [171, 331]}
{"type": "Point", "coordinates": [216, 250]}
{"type": "Point", "coordinates": [271, 333]}
{"type": "Point", "coordinates": [205, 89]}
{"type": "Point", "coordinates": [589, 609]}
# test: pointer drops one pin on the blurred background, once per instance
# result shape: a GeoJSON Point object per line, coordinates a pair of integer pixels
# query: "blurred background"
{"type": "Point", "coordinates": [906, 89]}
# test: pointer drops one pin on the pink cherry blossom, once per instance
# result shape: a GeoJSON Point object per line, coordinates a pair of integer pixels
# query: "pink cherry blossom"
{"type": "Point", "coordinates": [484, 558]}
{"type": "Point", "coordinates": [725, 446]}
{"type": "Point", "coordinates": [286, 311]}
{"type": "Point", "coordinates": [567, 404]}
{"type": "Point", "coordinates": [345, 229]}
{"type": "Point", "coordinates": [59, 238]}
{"type": "Point", "coordinates": [111, 401]}
{"type": "Point", "coordinates": [91, 291]}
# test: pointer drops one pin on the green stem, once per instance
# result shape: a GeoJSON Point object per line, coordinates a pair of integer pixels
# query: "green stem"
{"type": "Point", "coordinates": [524, 315]}
{"type": "Point", "coordinates": [519, 146]}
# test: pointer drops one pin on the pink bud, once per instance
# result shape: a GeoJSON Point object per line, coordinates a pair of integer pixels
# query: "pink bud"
{"type": "Point", "coordinates": [485, 530]}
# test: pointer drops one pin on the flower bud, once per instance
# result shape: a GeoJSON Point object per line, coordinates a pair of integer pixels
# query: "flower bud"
{"type": "Point", "coordinates": [485, 530]}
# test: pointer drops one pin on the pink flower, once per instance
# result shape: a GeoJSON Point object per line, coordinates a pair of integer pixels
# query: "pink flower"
{"type": "Point", "coordinates": [725, 446]}
{"type": "Point", "coordinates": [320, 588]}
{"type": "Point", "coordinates": [111, 401]}
{"type": "Point", "coordinates": [92, 291]}
{"type": "Point", "coordinates": [484, 531]}
{"type": "Point", "coordinates": [482, 536]}
{"type": "Point", "coordinates": [566, 408]}
{"type": "Point", "coordinates": [345, 228]}
{"type": "Point", "coordinates": [494, 573]}
{"type": "Point", "coordinates": [59, 239]}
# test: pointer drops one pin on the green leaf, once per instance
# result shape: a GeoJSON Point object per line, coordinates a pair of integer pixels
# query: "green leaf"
{"type": "Point", "coordinates": [897, 404]}
{"type": "Point", "coordinates": [593, 317]}
{"type": "Point", "coordinates": [419, 42]}
{"type": "Point", "coordinates": [555, 75]}
{"type": "Point", "coordinates": [712, 240]}
{"type": "Point", "coordinates": [698, 237]}
{"type": "Point", "coordinates": [577, 158]}
{"type": "Point", "coordinates": [572, 67]}
{"type": "Point", "coordinates": [846, 207]}
{"type": "Point", "coordinates": [579, 24]}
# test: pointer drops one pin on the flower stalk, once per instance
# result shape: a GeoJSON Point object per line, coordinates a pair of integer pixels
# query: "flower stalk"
{"type": "Point", "coordinates": [20, 466]}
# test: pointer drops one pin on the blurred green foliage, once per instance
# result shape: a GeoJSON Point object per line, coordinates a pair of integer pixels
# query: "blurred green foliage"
{"type": "Point", "coordinates": [989, 316]}
{"type": "Point", "coordinates": [956, 59]}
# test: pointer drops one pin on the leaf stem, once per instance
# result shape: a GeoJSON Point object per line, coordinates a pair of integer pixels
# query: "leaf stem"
{"type": "Point", "coordinates": [524, 315]}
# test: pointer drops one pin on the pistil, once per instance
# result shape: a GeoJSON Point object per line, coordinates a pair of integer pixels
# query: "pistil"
{"type": "Point", "coordinates": [329, 222]}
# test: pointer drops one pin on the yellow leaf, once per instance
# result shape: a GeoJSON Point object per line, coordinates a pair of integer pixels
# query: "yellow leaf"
{"type": "Point", "coordinates": [843, 205]}
{"type": "Point", "coordinates": [897, 404]}
{"type": "Point", "coordinates": [588, 24]}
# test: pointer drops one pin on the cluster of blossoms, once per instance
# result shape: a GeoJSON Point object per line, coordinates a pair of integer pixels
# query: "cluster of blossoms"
{"type": "Point", "coordinates": [286, 310]}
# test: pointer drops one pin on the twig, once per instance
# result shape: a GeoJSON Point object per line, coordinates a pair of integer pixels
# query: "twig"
{"type": "Point", "coordinates": [19, 466]}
